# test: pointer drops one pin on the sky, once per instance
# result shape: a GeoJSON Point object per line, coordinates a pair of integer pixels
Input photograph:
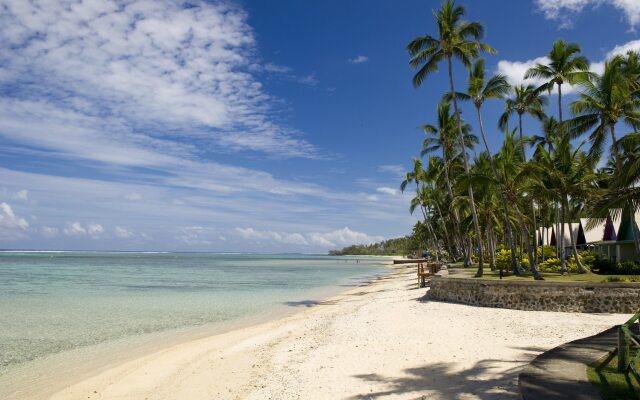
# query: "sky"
{"type": "Point", "coordinates": [253, 126]}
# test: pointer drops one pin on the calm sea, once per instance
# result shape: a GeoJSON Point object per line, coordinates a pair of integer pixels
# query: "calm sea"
{"type": "Point", "coordinates": [55, 302]}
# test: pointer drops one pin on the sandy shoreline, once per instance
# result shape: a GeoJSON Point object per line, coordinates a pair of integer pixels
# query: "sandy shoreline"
{"type": "Point", "coordinates": [377, 341]}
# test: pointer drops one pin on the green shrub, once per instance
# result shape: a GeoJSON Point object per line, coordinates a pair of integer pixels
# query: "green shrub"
{"type": "Point", "coordinates": [603, 266]}
{"type": "Point", "coordinates": [549, 252]}
{"type": "Point", "coordinates": [550, 265]}
{"type": "Point", "coordinates": [618, 278]}
{"type": "Point", "coordinates": [627, 268]}
{"type": "Point", "coordinates": [588, 257]}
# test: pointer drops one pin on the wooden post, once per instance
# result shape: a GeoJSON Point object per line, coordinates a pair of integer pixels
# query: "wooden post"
{"type": "Point", "coordinates": [623, 350]}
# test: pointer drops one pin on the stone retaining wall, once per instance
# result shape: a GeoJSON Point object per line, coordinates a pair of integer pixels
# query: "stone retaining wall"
{"type": "Point", "coordinates": [587, 297]}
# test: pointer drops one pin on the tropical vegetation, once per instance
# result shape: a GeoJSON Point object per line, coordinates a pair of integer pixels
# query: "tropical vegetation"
{"type": "Point", "coordinates": [478, 205]}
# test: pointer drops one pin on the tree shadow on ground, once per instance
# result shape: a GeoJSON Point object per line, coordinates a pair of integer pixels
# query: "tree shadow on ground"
{"type": "Point", "coordinates": [443, 381]}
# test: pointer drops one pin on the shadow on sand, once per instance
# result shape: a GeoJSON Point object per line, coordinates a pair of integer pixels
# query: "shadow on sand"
{"type": "Point", "coordinates": [442, 381]}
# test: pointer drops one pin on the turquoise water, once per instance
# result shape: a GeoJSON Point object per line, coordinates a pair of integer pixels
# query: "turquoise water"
{"type": "Point", "coordinates": [51, 303]}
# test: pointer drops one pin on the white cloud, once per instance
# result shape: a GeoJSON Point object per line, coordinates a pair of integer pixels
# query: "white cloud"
{"type": "Point", "coordinates": [49, 231]}
{"type": "Point", "coordinates": [359, 60]}
{"type": "Point", "coordinates": [387, 190]}
{"type": "Point", "coordinates": [340, 237]}
{"type": "Point", "coordinates": [11, 226]}
{"type": "Point", "coordinates": [564, 11]}
{"type": "Point", "coordinates": [92, 230]}
{"type": "Point", "coordinates": [310, 80]}
{"type": "Point", "coordinates": [123, 233]}
{"type": "Point", "coordinates": [286, 238]}
{"type": "Point", "coordinates": [22, 195]}
{"type": "Point", "coordinates": [115, 70]}
{"type": "Point", "coordinates": [372, 197]}
{"type": "Point", "coordinates": [75, 229]}
{"type": "Point", "coordinates": [515, 70]}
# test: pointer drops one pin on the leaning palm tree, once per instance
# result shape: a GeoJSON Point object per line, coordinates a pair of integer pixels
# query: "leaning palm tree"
{"type": "Point", "coordinates": [604, 101]}
{"type": "Point", "coordinates": [564, 65]}
{"type": "Point", "coordinates": [460, 39]}
{"type": "Point", "coordinates": [479, 90]}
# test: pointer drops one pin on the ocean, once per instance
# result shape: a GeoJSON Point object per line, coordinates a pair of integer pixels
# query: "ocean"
{"type": "Point", "coordinates": [57, 303]}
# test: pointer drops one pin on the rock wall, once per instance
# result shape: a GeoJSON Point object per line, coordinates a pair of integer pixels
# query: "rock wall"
{"type": "Point", "coordinates": [587, 297]}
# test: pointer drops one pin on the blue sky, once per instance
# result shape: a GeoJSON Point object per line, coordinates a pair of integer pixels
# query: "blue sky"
{"type": "Point", "coordinates": [239, 126]}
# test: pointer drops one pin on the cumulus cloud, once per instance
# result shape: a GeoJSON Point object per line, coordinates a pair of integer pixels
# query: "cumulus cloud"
{"type": "Point", "coordinates": [108, 71]}
{"type": "Point", "coordinates": [123, 233]}
{"type": "Point", "coordinates": [359, 60]}
{"type": "Point", "coordinates": [11, 226]}
{"type": "Point", "coordinates": [387, 190]}
{"type": "Point", "coordinates": [564, 11]}
{"type": "Point", "coordinates": [515, 70]}
{"type": "Point", "coordinates": [340, 237]}
{"type": "Point", "coordinates": [92, 230]}
{"type": "Point", "coordinates": [279, 237]}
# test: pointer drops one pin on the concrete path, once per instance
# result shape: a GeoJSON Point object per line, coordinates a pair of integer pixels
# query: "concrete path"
{"type": "Point", "coordinates": [561, 373]}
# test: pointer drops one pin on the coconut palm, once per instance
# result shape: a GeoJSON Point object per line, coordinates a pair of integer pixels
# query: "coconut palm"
{"type": "Point", "coordinates": [526, 100]}
{"type": "Point", "coordinates": [605, 100]}
{"type": "Point", "coordinates": [442, 137]}
{"type": "Point", "coordinates": [564, 65]}
{"type": "Point", "coordinates": [460, 39]}
{"type": "Point", "coordinates": [570, 174]}
{"type": "Point", "coordinates": [479, 90]}
{"type": "Point", "coordinates": [515, 180]}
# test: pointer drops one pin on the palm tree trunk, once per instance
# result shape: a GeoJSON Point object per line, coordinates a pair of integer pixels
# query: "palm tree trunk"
{"type": "Point", "coordinates": [616, 154]}
{"type": "Point", "coordinates": [634, 229]}
{"type": "Point", "coordinates": [563, 265]}
{"type": "Point", "coordinates": [492, 248]}
{"type": "Point", "coordinates": [530, 242]}
{"type": "Point", "coordinates": [573, 242]}
{"type": "Point", "coordinates": [505, 206]}
{"type": "Point", "coordinates": [456, 217]}
{"type": "Point", "coordinates": [434, 240]}
{"type": "Point", "coordinates": [560, 102]}
{"type": "Point", "coordinates": [447, 239]}
{"type": "Point", "coordinates": [525, 234]}
{"type": "Point", "coordinates": [476, 225]}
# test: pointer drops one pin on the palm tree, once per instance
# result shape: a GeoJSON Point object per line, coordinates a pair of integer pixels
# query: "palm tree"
{"type": "Point", "coordinates": [515, 180]}
{"type": "Point", "coordinates": [526, 100]}
{"type": "Point", "coordinates": [478, 91]}
{"type": "Point", "coordinates": [550, 132]}
{"type": "Point", "coordinates": [570, 174]}
{"type": "Point", "coordinates": [441, 137]}
{"type": "Point", "coordinates": [453, 40]}
{"type": "Point", "coordinates": [417, 176]}
{"type": "Point", "coordinates": [564, 65]}
{"type": "Point", "coordinates": [604, 101]}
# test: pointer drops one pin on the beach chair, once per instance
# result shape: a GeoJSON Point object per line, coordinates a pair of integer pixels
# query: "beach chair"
{"type": "Point", "coordinates": [424, 271]}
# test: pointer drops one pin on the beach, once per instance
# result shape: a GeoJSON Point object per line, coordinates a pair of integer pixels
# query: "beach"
{"type": "Point", "coordinates": [379, 340]}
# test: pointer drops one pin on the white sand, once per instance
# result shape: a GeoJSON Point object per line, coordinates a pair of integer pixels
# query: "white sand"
{"type": "Point", "coordinates": [378, 341]}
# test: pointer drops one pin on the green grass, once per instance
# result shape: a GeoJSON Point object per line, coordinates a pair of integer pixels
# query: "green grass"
{"type": "Point", "coordinates": [549, 276]}
{"type": "Point", "coordinates": [611, 384]}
